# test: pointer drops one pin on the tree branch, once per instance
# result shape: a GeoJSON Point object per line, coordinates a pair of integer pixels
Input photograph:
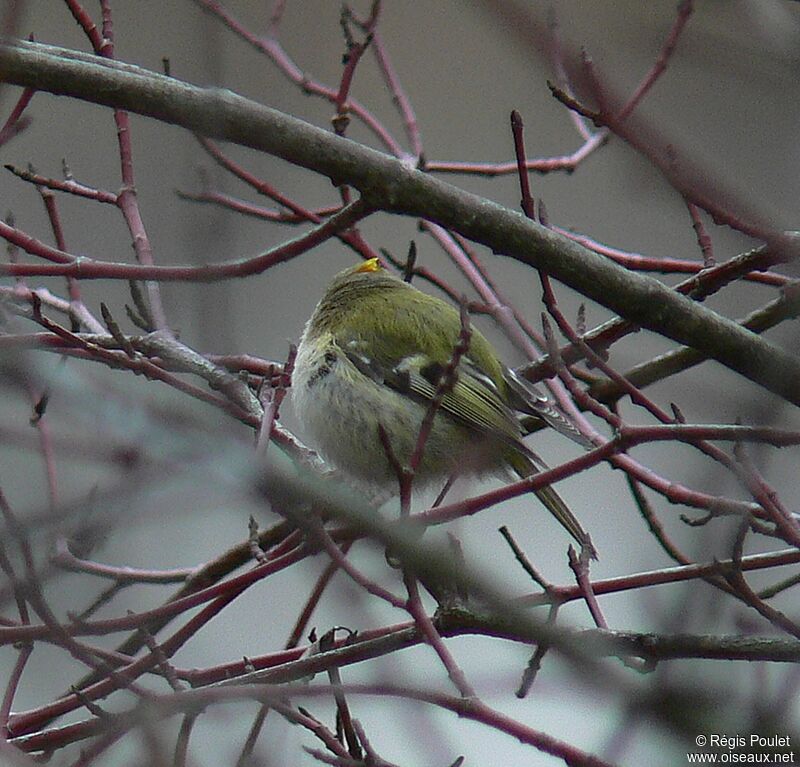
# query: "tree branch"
{"type": "Point", "coordinates": [389, 184]}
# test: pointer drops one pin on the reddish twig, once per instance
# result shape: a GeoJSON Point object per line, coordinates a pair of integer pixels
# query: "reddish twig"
{"type": "Point", "coordinates": [29, 721]}
{"type": "Point", "coordinates": [685, 9]}
{"type": "Point", "coordinates": [434, 639]}
{"type": "Point", "coordinates": [703, 239]}
{"type": "Point", "coordinates": [535, 661]}
{"type": "Point", "coordinates": [399, 96]}
{"type": "Point", "coordinates": [271, 47]}
{"type": "Point", "coordinates": [127, 198]}
{"type": "Point", "coordinates": [695, 184]}
{"type": "Point", "coordinates": [65, 559]}
{"type": "Point", "coordinates": [346, 234]}
{"type": "Point", "coordinates": [87, 24]}
{"type": "Point", "coordinates": [271, 399]}
{"type": "Point", "coordinates": [638, 398]}
{"type": "Point", "coordinates": [527, 203]}
{"type": "Point", "coordinates": [339, 557]}
{"type": "Point", "coordinates": [245, 208]}
{"type": "Point", "coordinates": [344, 720]}
{"type": "Point", "coordinates": [15, 122]}
{"type": "Point", "coordinates": [69, 186]}
{"type": "Point", "coordinates": [580, 566]}
{"type": "Point", "coordinates": [735, 577]}
{"type": "Point", "coordinates": [639, 262]}
{"type": "Point", "coordinates": [566, 163]}
{"type": "Point", "coordinates": [322, 582]}
{"type": "Point", "coordinates": [350, 59]}
{"type": "Point", "coordinates": [672, 491]}
{"type": "Point", "coordinates": [766, 497]}
{"type": "Point", "coordinates": [67, 265]}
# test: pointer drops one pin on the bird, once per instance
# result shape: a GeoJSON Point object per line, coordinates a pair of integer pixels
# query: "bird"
{"type": "Point", "coordinates": [371, 360]}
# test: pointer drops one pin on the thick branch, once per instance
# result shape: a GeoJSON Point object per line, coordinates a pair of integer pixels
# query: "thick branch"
{"type": "Point", "coordinates": [389, 184]}
{"type": "Point", "coordinates": [595, 643]}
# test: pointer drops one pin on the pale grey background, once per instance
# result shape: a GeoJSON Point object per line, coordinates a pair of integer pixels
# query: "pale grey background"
{"type": "Point", "coordinates": [730, 97]}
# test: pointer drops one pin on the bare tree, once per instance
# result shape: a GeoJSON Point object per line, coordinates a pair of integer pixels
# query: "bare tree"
{"type": "Point", "coordinates": [321, 592]}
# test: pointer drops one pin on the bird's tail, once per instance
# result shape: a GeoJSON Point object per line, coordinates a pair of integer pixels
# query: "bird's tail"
{"type": "Point", "coordinates": [525, 466]}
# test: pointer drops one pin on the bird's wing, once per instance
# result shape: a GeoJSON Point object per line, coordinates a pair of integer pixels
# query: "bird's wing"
{"type": "Point", "coordinates": [528, 398]}
{"type": "Point", "coordinates": [473, 399]}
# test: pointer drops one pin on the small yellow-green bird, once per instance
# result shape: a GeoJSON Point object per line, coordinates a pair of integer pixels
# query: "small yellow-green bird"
{"type": "Point", "coordinates": [372, 355]}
